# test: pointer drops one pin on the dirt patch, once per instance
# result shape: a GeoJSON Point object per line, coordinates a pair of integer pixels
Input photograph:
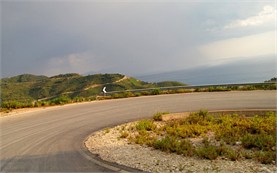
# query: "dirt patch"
{"type": "Point", "coordinates": [175, 116]}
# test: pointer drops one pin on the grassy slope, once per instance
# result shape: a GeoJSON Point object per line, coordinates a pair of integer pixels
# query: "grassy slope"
{"type": "Point", "coordinates": [28, 87]}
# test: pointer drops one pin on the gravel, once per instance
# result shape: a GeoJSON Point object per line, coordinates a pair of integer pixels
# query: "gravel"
{"type": "Point", "coordinates": [110, 147]}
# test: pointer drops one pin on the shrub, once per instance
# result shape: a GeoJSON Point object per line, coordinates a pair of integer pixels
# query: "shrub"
{"type": "Point", "coordinates": [202, 113]}
{"type": "Point", "coordinates": [247, 154]}
{"type": "Point", "coordinates": [128, 94]}
{"type": "Point", "coordinates": [143, 138]}
{"type": "Point", "coordinates": [228, 134]}
{"type": "Point", "coordinates": [124, 134]}
{"type": "Point", "coordinates": [137, 94]}
{"type": "Point", "coordinates": [197, 90]}
{"type": "Point", "coordinates": [168, 143]}
{"type": "Point", "coordinates": [107, 130]}
{"type": "Point", "coordinates": [193, 119]}
{"type": "Point", "coordinates": [232, 87]}
{"type": "Point", "coordinates": [207, 152]}
{"type": "Point", "coordinates": [189, 130]}
{"type": "Point", "coordinates": [145, 125]}
{"type": "Point", "coordinates": [186, 148]}
{"type": "Point", "coordinates": [16, 104]}
{"type": "Point", "coordinates": [172, 144]}
{"type": "Point", "coordinates": [115, 96]}
{"type": "Point", "coordinates": [79, 99]}
{"type": "Point", "coordinates": [222, 149]}
{"type": "Point", "coordinates": [265, 157]}
{"type": "Point", "coordinates": [249, 87]}
{"type": "Point", "coordinates": [156, 92]}
{"type": "Point", "coordinates": [145, 93]}
{"type": "Point", "coordinates": [44, 103]}
{"type": "Point", "coordinates": [260, 141]}
{"type": "Point", "coordinates": [232, 154]}
{"type": "Point", "coordinates": [200, 117]}
{"type": "Point", "coordinates": [158, 116]}
{"type": "Point", "coordinates": [213, 89]}
{"type": "Point", "coordinates": [37, 104]}
{"type": "Point", "coordinates": [180, 91]}
{"type": "Point", "coordinates": [60, 100]}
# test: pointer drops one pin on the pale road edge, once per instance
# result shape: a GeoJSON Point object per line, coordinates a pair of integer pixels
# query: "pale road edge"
{"type": "Point", "coordinates": [103, 163]}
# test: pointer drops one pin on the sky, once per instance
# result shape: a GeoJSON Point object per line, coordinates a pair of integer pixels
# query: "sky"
{"type": "Point", "coordinates": [135, 38]}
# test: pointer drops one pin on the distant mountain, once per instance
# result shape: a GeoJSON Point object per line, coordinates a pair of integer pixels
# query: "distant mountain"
{"type": "Point", "coordinates": [244, 71]}
{"type": "Point", "coordinates": [28, 87]}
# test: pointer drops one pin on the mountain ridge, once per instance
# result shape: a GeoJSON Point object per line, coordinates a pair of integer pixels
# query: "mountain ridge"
{"type": "Point", "coordinates": [29, 87]}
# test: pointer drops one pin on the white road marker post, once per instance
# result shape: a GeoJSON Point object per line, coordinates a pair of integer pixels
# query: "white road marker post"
{"type": "Point", "coordinates": [104, 91]}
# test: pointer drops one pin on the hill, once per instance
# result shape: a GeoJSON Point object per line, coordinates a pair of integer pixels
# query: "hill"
{"type": "Point", "coordinates": [274, 79]}
{"type": "Point", "coordinates": [28, 87]}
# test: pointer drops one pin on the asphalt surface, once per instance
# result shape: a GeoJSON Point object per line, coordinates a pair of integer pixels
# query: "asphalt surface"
{"type": "Point", "coordinates": [51, 140]}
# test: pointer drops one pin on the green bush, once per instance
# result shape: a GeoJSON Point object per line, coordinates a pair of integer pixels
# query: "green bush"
{"type": "Point", "coordinates": [44, 103]}
{"type": "Point", "coordinates": [218, 88]}
{"type": "Point", "coordinates": [186, 148]}
{"type": "Point", "coordinates": [37, 104]}
{"type": "Point", "coordinates": [260, 141]}
{"type": "Point", "coordinates": [247, 154]}
{"type": "Point", "coordinates": [202, 117]}
{"type": "Point", "coordinates": [145, 125]}
{"type": "Point", "coordinates": [232, 154]}
{"type": "Point", "coordinates": [128, 94]}
{"type": "Point", "coordinates": [143, 138]}
{"type": "Point", "coordinates": [232, 87]}
{"type": "Point", "coordinates": [265, 157]}
{"type": "Point", "coordinates": [172, 144]}
{"type": "Point", "coordinates": [156, 92]}
{"type": "Point", "coordinates": [207, 152]}
{"type": "Point", "coordinates": [158, 116]}
{"type": "Point", "coordinates": [60, 100]}
{"type": "Point", "coordinates": [145, 93]}
{"type": "Point", "coordinates": [116, 96]}
{"type": "Point", "coordinates": [248, 88]}
{"type": "Point", "coordinates": [202, 113]}
{"type": "Point", "coordinates": [168, 144]}
{"type": "Point", "coordinates": [79, 99]}
{"type": "Point", "coordinates": [16, 104]}
{"type": "Point", "coordinates": [137, 94]}
{"type": "Point", "coordinates": [189, 130]}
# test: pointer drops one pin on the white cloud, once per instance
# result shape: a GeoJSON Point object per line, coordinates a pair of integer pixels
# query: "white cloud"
{"type": "Point", "coordinates": [266, 16]}
{"type": "Point", "coordinates": [247, 46]}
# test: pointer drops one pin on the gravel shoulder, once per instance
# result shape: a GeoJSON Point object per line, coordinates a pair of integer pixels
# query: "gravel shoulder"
{"type": "Point", "coordinates": [110, 147]}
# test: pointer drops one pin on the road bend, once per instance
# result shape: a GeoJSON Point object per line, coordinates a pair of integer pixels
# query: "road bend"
{"type": "Point", "coordinates": [50, 140]}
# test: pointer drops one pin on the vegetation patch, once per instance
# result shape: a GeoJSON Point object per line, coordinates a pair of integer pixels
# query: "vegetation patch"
{"type": "Point", "coordinates": [26, 91]}
{"type": "Point", "coordinates": [158, 116]}
{"type": "Point", "coordinates": [210, 136]}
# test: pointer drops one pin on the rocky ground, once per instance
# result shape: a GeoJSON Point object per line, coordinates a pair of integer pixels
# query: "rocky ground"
{"type": "Point", "coordinates": [111, 147]}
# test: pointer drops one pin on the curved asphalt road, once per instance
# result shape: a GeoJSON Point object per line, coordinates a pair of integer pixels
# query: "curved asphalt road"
{"type": "Point", "coordinates": [50, 140]}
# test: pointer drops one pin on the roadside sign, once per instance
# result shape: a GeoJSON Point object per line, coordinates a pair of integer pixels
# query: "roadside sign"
{"type": "Point", "coordinates": [104, 90]}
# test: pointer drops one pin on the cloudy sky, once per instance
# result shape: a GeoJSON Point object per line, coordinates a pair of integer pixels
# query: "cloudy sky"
{"type": "Point", "coordinates": [135, 37]}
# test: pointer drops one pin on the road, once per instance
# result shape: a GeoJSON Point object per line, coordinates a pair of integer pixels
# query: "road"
{"type": "Point", "coordinates": [50, 140]}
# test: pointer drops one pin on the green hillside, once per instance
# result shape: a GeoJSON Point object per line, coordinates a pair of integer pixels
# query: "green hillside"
{"type": "Point", "coordinates": [28, 88]}
{"type": "Point", "coordinates": [274, 79]}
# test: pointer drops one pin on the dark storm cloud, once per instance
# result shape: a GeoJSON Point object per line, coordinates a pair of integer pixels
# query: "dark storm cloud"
{"type": "Point", "coordinates": [50, 37]}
